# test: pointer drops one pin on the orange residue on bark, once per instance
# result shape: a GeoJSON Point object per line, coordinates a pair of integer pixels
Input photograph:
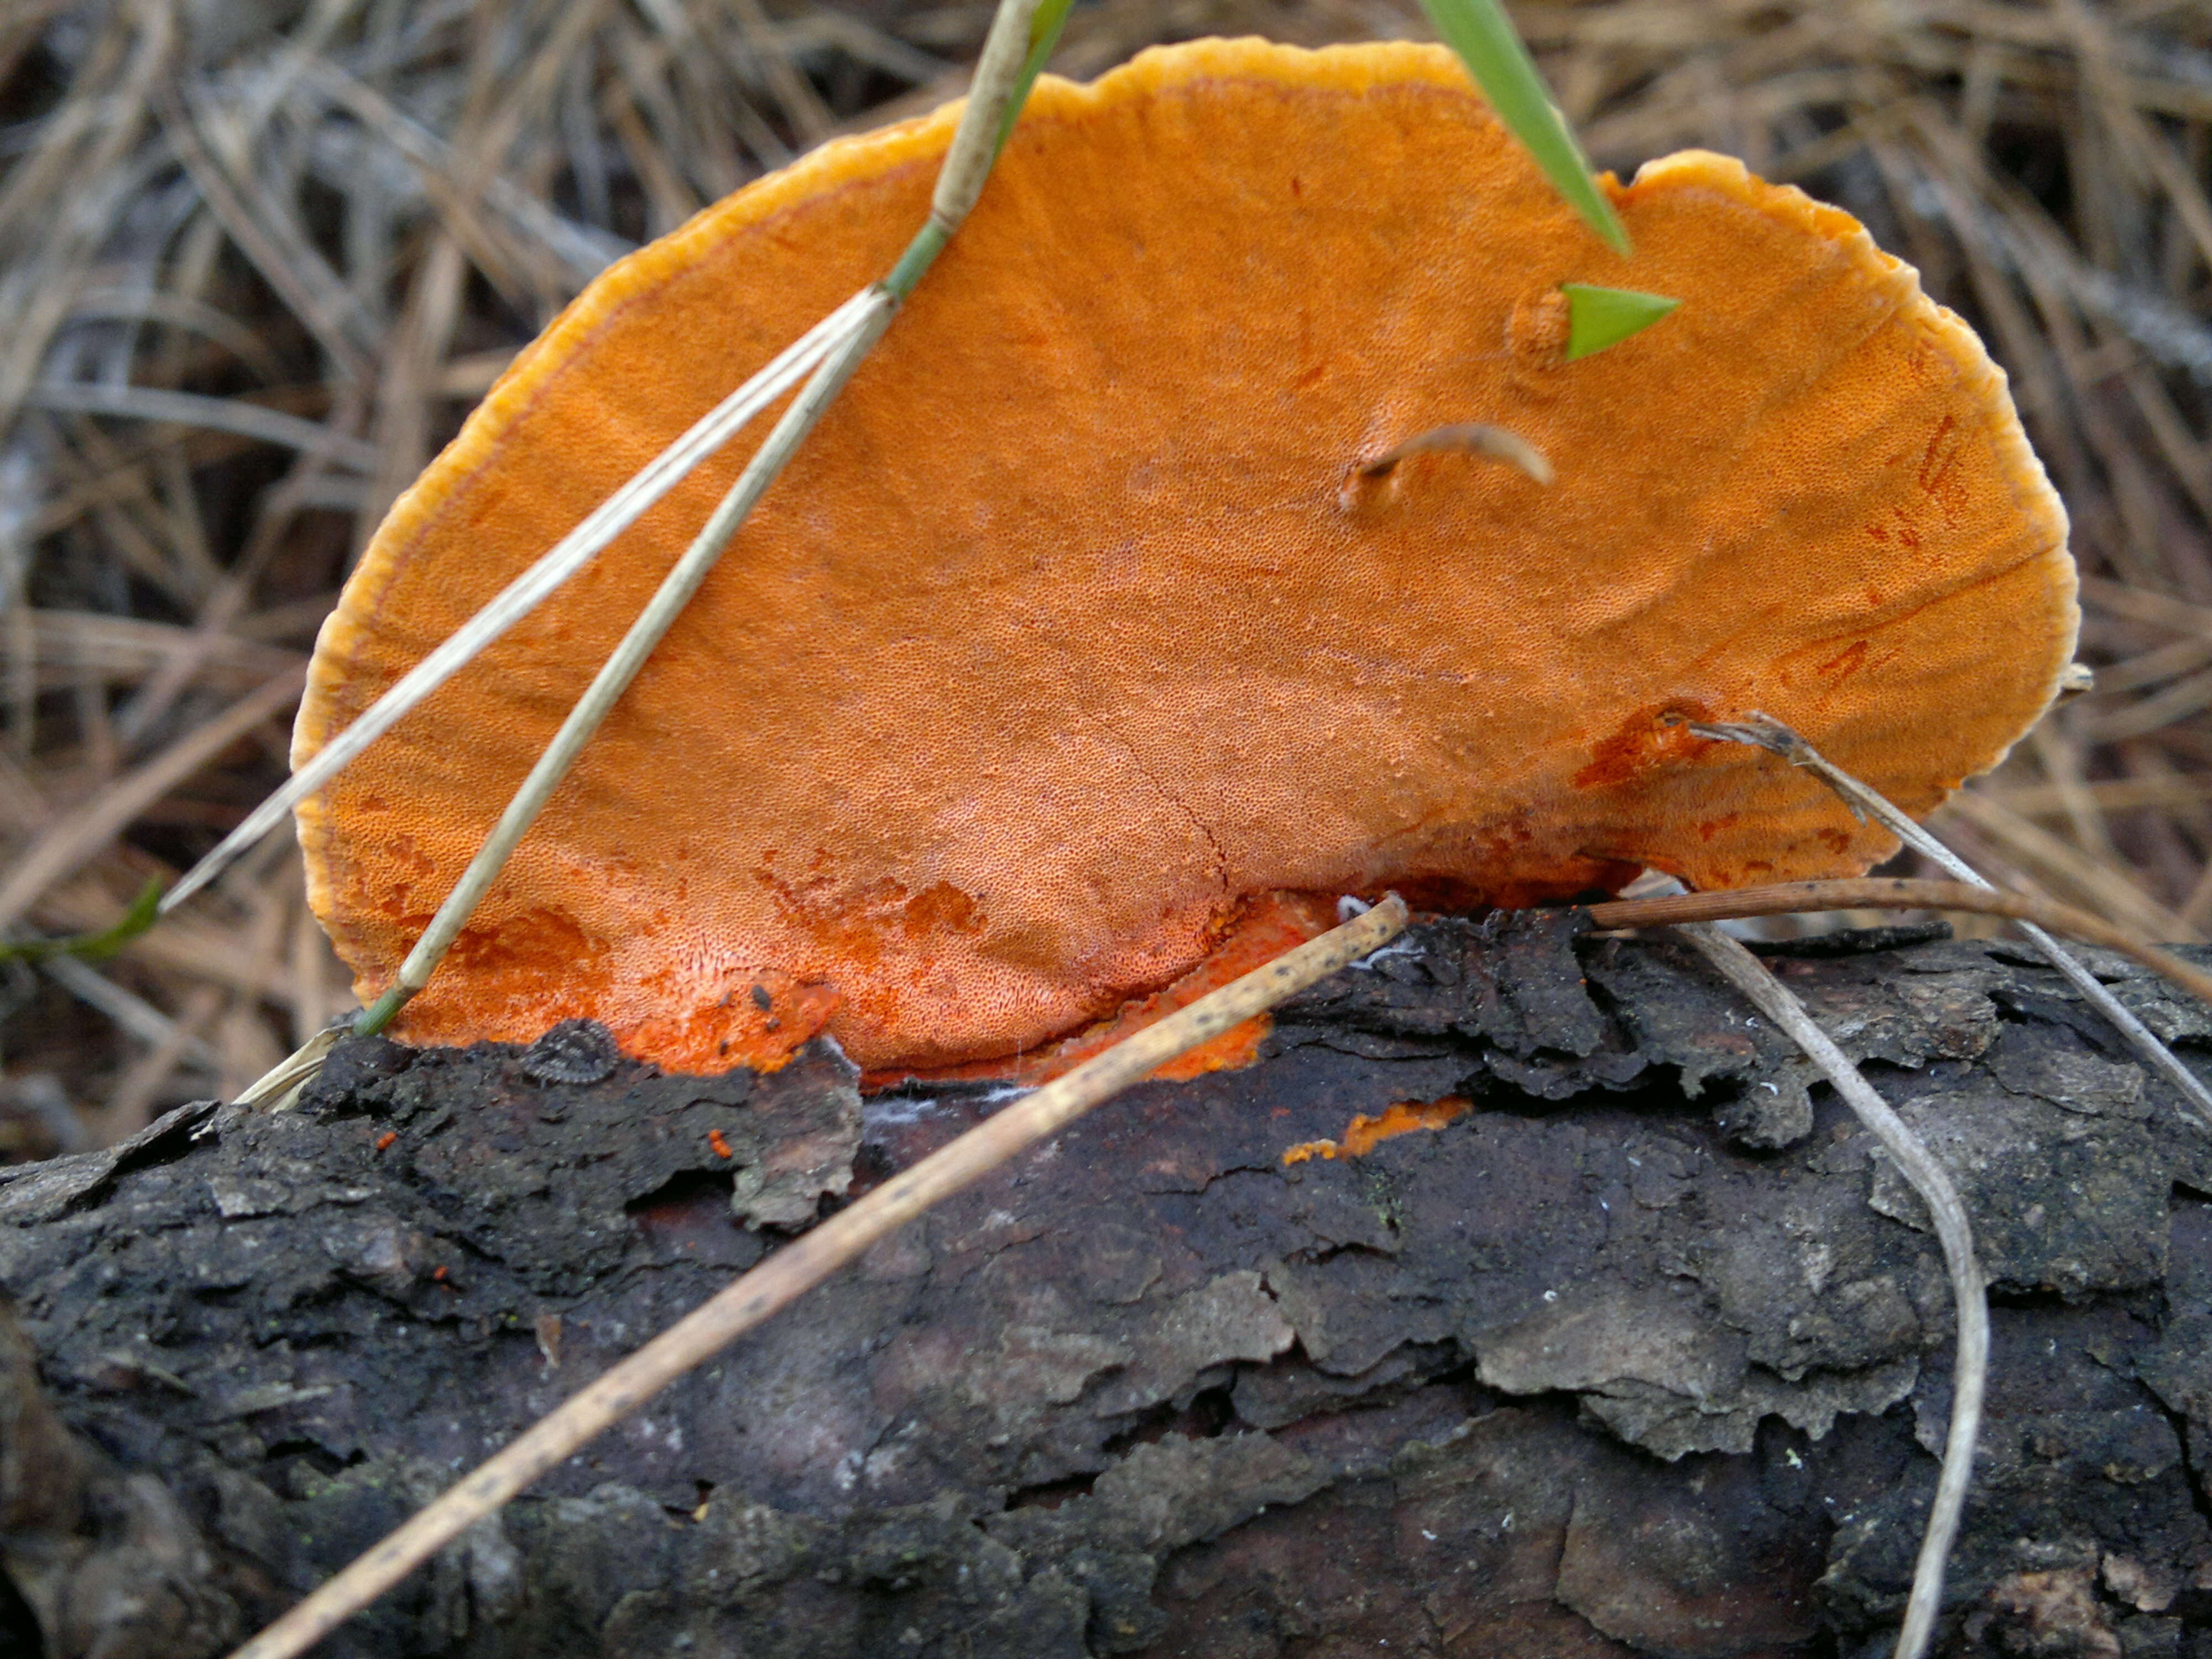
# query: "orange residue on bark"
{"type": "Point", "coordinates": [1364, 1134]}
{"type": "Point", "coordinates": [721, 1146]}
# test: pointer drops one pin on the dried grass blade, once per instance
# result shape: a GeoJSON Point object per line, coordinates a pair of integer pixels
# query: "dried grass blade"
{"type": "Point", "coordinates": [584, 250]}
{"type": "Point", "coordinates": [280, 250]}
{"type": "Point", "coordinates": [2110, 889]}
{"type": "Point", "coordinates": [1900, 893]}
{"type": "Point", "coordinates": [629, 656]}
{"type": "Point", "coordinates": [1022, 34]}
{"type": "Point", "coordinates": [18, 627]}
{"type": "Point", "coordinates": [1970, 1372]}
{"type": "Point", "coordinates": [530, 589]}
{"type": "Point", "coordinates": [247, 420]}
{"type": "Point", "coordinates": [116, 113]}
{"type": "Point", "coordinates": [804, 1263]}
{"type": "Point", "coordinates": [1764, 733]}
{"type": "Point", "coordinates": [129, 1011]}
{"type": "Point", "coordinates": [2152, 610]}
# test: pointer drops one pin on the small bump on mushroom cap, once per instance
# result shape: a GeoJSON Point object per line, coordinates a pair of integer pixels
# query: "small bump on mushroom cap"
{"type": "Point", "coordinates": [1065, 635]}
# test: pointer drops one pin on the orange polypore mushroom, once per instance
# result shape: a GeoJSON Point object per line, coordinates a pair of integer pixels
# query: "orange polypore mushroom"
{"type": "Point", "coordinates": [1079, 622]}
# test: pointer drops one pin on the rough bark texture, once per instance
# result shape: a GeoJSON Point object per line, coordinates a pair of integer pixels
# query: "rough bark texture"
{"type": "Point", "coordinates": [1643, 1353]}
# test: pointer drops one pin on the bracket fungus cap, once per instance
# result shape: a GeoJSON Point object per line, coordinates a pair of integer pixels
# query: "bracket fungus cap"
{"type": "Point", "coordinates": [1077, 625]}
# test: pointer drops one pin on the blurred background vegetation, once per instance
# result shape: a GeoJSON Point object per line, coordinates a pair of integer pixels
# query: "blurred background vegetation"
{"type": "Point", "coordinates": [257, 258]}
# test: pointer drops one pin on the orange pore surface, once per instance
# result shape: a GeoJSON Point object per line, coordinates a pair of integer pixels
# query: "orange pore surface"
{"type": "Point", "coordinates": [1072, 628]}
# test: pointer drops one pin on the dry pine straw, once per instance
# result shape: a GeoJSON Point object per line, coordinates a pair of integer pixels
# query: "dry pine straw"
{"type": "Point", "coordinates": [257, 261]}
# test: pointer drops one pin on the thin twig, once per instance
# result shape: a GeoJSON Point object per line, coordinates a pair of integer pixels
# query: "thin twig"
{"type": "Point", "coordinates": [1004, 69]}
{"type": "Point", "coordinates": [530, 589]}
{"type": "Point", "coordinates": [1898, 893]}
{"type": "Point", "coordinates": [1970, 1372]}
{"type": "Point", "coordinates": [805, 1263]}
{"type": "Point", "coordinates": [1763, 731]}
{"type": "Point", "coordinates": [999, 80]}
{"type": "Point", "coordinates": [659, 614]}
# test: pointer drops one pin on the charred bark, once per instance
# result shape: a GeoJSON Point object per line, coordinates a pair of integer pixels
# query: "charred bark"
{"type": "Point", "coordinates": [1643, 1352]}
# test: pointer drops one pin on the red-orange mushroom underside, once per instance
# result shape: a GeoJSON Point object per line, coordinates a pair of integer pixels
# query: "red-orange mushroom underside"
{"type": "Point", "coordinates": [1073, 626]}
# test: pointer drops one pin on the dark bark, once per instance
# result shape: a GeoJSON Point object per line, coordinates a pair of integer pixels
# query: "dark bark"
{"type": "Point", "coordinates": [1645, 1353]}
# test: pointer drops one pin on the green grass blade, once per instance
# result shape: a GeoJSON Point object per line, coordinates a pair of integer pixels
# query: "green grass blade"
{"type": "Point", "coordinates": [93, 947]}
{"type": "Point", "coordinates": [1602, 317]}
{"type": "Point", "coordinates": [1045, 24]}
{"type": "Point", "coordinates": [1483, 36]}
{"type": "Point", "coordinates": [1044, 35]}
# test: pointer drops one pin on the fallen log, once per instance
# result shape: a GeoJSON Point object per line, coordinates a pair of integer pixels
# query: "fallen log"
{"type": "Point", "coordinates": [1527, 1299]}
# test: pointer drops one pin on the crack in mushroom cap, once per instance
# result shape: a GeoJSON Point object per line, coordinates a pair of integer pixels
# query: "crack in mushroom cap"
{"type": "Point", "coordinates": [1072, 628]}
